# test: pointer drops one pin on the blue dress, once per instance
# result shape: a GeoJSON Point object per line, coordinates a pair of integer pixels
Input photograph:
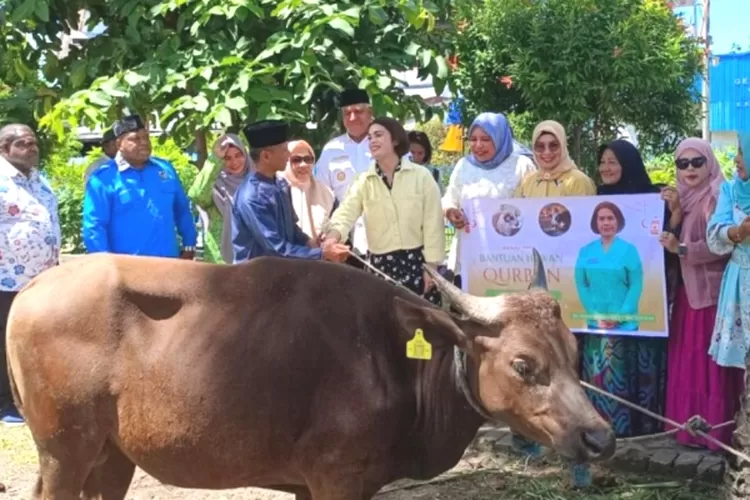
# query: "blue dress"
{"type": "Point", "coordinates": [731, 336]}
{"type": "Point", "coordinates": [610, 282]}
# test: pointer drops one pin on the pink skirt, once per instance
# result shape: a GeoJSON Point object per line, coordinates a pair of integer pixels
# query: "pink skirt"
{"type": "Point", "coordinates": [695, 384]}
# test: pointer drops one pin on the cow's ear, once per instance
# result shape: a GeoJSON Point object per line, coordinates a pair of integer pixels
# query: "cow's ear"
{"type": "Point", "coordinates": [441, 329]}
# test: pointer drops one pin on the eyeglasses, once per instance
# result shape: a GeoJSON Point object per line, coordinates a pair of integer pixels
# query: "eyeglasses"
{"type": "Point", "coordinates": [684, 163]}
{"type": "Point", "coordinates": [296, 160]}
{"type": "Point", "coordinates": [541, 147]}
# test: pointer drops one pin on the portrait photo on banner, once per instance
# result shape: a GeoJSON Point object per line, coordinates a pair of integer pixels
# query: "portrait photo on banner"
{"type": "Point", "coordinates": [602, 257]}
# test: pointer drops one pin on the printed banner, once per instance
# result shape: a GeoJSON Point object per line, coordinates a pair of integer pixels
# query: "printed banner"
{"type": "Point", "coordinates": [602, 255]}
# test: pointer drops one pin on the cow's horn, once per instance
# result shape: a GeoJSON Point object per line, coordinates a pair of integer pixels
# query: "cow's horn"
{"type": "Point", "coordinates": [485, 310]}
{"type": "Point", "coordinates": [540, 274]}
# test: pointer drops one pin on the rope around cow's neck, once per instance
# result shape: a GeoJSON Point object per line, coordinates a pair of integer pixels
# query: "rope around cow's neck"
{"type": "Point", "coordinates": [695, 426]}
{"type": "Point", "coordinates": [459, 357]}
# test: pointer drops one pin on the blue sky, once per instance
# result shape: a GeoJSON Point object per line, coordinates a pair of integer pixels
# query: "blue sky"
{"type": "Point", "coordinates": [730, 23]}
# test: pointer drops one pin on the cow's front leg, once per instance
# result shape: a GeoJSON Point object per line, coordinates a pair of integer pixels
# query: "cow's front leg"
{"type": "Point", "coordinates": [339, 488]}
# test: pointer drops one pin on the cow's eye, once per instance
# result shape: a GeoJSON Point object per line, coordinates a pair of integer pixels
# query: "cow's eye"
{"type": "Point", "coordinates": [522, 367]}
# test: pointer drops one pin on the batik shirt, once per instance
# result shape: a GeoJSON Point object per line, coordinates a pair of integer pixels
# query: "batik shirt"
{"type": "Point", "coordinates": [29, 227]}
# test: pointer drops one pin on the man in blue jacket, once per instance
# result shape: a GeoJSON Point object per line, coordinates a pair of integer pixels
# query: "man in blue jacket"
{"type": "Point", "coordinates": [263, 219]}
{"type": "Point", "coordinates": [135, 203]}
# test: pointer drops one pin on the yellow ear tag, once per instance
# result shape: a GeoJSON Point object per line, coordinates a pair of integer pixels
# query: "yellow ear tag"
{"type": "Point", "coordinates": [418, 347]}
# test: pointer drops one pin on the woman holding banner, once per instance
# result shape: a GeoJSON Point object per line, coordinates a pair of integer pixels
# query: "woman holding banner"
{"type": "Point", "coordinates": [557, 174]}
{"type": "Point", "coordinates": [695, 386]}
{"type": "Point", "coordinates": [729, 234]}
{"type": "Point", "coordinates": [491, 170]}
{"type": "Point", "coordinates": [631, 367]}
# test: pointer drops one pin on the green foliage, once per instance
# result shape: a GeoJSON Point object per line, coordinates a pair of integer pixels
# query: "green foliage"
{"type": "Point", "coordinates": [203, 63]}
{"type": "Point", "coordinates": [168, 149]}
{"type": "Point", "coordinates": [593, 65]}
{"type": "Point", "coordinates": [66, 178]}
{"type": "Point", "coordinates": [24, 98]}
{"type": "Point", "coordinates": [661, 168]}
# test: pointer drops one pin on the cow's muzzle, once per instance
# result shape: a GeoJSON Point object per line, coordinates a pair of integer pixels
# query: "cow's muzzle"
{"type": "Point", "coordinates": [597, 444]}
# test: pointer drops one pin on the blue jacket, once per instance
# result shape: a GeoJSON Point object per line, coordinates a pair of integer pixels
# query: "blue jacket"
{"type": "Point", "coordinates": [137, 212]}
{"type": "Point", "coordinates": [264, 223]}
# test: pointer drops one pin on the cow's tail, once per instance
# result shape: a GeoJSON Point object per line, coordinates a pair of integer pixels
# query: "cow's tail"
{"type": "Point", "coordinates": [13, 386]}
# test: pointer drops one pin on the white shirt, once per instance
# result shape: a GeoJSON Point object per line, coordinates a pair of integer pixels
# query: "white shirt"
{"type": "Point", "coordinates": [29, 227]}
{"type": "Point", "coordinates": [340, 162]}
{"type": "Point", "coordinates": [469, 182]}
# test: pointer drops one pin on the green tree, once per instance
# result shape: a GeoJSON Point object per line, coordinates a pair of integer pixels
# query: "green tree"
{"type": "Point", "coordinates": [24, 98]}
{"type": "Point", "coordinates": [593, 65]}
{"type": "Point", "coordinates": [200, 64]}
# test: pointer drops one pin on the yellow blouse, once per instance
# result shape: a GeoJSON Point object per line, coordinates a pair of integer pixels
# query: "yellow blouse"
{"type": "Point", "coordinates": [570, 183]}
{"type": "Point", "coordinates": [405, 217]}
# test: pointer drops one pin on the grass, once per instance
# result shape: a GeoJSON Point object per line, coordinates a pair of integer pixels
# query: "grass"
{"type": "Point", "coordinates": [17, 446]}
{"type": "Point", "coordinates": [551, 489]}
{"type": "Point", "coordinates": [502, 477]}
{"type": "Point", "coordinates": [535, 483]}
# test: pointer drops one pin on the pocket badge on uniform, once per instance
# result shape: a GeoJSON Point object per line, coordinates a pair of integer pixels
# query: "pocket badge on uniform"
{"type": "Point", "coordinates": [163, 174]}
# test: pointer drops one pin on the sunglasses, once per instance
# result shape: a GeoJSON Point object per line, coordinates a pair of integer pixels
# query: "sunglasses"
{"type": "Point", "coordinates": [683, 163]}
{"type": "Point", "coordinates": [296, 160]}
{"type": "Point", "coordinates": [541, 147]}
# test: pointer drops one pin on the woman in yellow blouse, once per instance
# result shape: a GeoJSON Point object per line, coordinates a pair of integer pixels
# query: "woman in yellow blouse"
{"type": "Point", "coordinates": [557, 175]}
{"type": "Point", "coordinates": [400, 202]}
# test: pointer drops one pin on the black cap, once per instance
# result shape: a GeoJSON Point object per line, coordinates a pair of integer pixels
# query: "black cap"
{"type": "Point", "coordinates": [266, 133]}
{"type": "Point", "coordinates": [108, 135]}
{"type": "Point", "coordinates": [353, 96]}
{"type": "Point", "coordinates": [128, 124]}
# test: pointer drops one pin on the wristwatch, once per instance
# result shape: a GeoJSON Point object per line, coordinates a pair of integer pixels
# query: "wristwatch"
{"type": "Point", "coordinates": [682, 250]}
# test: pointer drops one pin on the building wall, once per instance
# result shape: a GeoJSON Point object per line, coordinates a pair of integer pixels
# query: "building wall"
{"type": "Point", "coordinates": [730, 92]}
{"type": "Point", "coordinates": [723, 139]}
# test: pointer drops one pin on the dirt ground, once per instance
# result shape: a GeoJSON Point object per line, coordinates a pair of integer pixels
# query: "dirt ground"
{"type": "Point", "coordinates": [479, 476]}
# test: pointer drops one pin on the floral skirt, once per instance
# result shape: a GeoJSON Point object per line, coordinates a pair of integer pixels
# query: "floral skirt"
{"type": "Point", "coordinates": [633, 368]}
{"type": "Point", "coordinates": [730, 342]}
{"type": "Point", "coordinates": [405, 267]}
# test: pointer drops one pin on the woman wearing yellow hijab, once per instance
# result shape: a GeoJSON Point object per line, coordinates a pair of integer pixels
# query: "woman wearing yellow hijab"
{"type": "Point", "coordinates": [557, 175]}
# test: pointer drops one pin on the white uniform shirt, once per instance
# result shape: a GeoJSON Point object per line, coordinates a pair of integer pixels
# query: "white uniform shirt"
{"type": "Point", "coordinates": [340, 162]}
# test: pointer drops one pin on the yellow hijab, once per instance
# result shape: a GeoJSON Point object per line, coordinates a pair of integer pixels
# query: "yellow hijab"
{"type": "Point", "coordinates": [566, 163]}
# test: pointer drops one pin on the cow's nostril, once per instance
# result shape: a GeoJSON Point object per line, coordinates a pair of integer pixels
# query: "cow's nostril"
{"type": "Point", "coordinates": [600, 443]}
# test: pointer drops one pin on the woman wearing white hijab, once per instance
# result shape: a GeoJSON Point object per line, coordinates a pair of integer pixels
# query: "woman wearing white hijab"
{"type": "Point", "coordinates": [213, 193]}
{"type": "Point", "coordinates": [313, 202]}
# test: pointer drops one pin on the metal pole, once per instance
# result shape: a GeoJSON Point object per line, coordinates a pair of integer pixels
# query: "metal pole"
{"type": "Point", "coordinates": [706, 97]}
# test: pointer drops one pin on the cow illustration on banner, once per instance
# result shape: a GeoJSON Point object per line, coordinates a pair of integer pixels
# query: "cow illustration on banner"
{"type": "Point", "coordinates": [604, 262]}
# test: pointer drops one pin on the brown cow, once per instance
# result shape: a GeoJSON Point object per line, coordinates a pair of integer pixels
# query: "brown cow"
{"type": "Point", "coordinates": [282, 374]}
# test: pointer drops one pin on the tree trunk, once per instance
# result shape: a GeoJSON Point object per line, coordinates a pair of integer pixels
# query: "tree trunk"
{"type": "Point", "coordinates": [577, 146]}
{"type": "Point", "coordinates": [201, 148]}
{"type": "Point", "coordinates": [737, 477]}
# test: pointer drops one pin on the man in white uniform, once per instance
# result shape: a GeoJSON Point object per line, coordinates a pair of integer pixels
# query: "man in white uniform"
{"type": "Point", "coordinates": [348, 155]}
